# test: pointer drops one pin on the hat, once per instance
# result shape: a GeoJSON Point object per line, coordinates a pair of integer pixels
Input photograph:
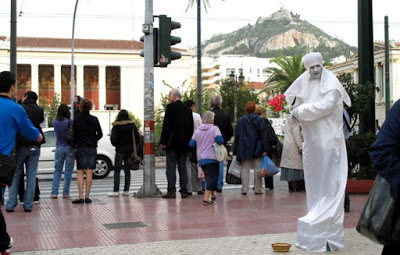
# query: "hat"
{"type": "Point", "coordinates": [312, 59]}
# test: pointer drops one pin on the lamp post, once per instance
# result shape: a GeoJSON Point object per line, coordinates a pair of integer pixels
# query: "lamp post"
{"type": "Point", "coordinates": [235, 81]}
{"type": "Point", "coordinates": [72, 62]}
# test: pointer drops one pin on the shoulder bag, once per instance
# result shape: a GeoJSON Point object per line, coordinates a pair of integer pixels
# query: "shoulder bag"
{"type": "Point", "coordinates": [135, 160]}
{"type": "Point", "coordinates": [380, 218]}
{"type": "Point", "coordinates": [7, 170]}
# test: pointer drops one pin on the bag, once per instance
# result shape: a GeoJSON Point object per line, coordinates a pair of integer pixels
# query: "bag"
{"type": "Point", "coordinates": [380, 218]}
{"type": "Point", "coordinates": [220, 152]}
{"type": "Point", "coordinates": [135, 160]}
{"type": "Point", "coordinates": [70, 134]}
{"type": "Point", "coordinates": [7, 170]}
{"type": "Point", "coordinates": [268, 167]}
{"type": "Point", "coordinates": [231, 179]}
{"type": "Point", "coordinates": [235, 168]}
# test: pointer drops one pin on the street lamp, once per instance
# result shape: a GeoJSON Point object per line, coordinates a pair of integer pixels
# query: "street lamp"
{"type": "Point", "coordinates": [235, 81]}
{"type": "Point", "coordinates": [72, 62]}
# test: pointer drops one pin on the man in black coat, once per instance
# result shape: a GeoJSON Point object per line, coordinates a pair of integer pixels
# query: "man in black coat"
{"type": "Point", "coordinates": [223, 122]}
{"type": "Point", "coordinates": [28, 153]}
{"type": "Point", "coordinates": [176, 133]}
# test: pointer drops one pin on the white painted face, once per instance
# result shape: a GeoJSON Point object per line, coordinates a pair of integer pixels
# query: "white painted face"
{"type": "Point", "coordinates": [315, 72]}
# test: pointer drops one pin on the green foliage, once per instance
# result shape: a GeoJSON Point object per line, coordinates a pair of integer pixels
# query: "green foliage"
{"type": "Point", "coordinates": [290, 68]}
{"type": "Point", "coordinates": [361, 96]}
{"type": "Point", "coordinates": [227, 91]}
{"type": "Point", "coordinates": [50, 108]}
{"type": "Point", "coordinates": [132, 117]}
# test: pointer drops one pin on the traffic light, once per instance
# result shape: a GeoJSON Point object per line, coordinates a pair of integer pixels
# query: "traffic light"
{"type": "Point", "coordinates": [165, 40]}
{"type": "Point", "coordinates": [155, 46]}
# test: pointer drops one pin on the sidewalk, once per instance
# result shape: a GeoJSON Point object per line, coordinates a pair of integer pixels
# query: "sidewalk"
{"type": "Point", "coordinates": [127, 225]}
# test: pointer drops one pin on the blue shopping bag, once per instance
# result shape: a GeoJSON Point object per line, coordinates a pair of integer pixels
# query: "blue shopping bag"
{"type": "Point", "coordinates": [267, 167]}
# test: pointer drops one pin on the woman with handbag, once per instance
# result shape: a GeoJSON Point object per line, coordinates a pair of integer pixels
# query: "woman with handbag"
{"type": "Point", "coordinates": [386, 159]}
{"type": "Point", "coordinates": [203, 139]}
{"type": "Point", "coordinates": [124, 135]}
{"type": "Point", "coordinates": [250, 145]}
{"type": "Point", "coordinates": [64, 152]}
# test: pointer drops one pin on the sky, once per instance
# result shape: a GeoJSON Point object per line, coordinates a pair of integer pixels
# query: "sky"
{"type": "Point", "coordinates": [123, 19]}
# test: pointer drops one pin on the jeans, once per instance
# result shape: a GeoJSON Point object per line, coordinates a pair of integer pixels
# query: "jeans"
{"type": "Point", "coordinates": [174, 157]}
{"type": "Point", "coordinates": [221, 175]}
{"type": "Point", "coordinates": [28, 155]}
{"type": "Point", "coordinates": [4, 237]}
{"type": "Point", "coordinates": [119, 158]}
{"type": "Point", "coordinates": [63, 154]}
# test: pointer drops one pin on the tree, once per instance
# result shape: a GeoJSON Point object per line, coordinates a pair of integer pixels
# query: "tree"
{"type": "Point", "coordinates": [227, 90]}
{"type": "Point", "coordinates": [290, 68]}
{"type": "Point", "coordinates": [50, 108]}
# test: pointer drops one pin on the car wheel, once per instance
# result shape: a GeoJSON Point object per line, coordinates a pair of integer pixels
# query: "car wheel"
{"type": "Point", "coordinates": [103, 167]}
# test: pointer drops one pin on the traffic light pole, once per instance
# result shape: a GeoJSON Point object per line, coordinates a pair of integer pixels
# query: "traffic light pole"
{"type": "Point", "coordinates": [149, 187]}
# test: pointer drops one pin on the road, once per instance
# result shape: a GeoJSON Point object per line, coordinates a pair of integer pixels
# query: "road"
{"type": "Point", "coordinates": [105, 186]}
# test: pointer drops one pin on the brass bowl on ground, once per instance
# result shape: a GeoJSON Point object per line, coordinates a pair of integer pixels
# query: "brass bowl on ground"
{"type": "Point", "coordinates": [281, 247]}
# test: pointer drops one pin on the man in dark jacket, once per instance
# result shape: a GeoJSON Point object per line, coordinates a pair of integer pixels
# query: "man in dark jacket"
{"type": "Point", "coordinates": [176, 133]}
{"type": "Point", "coordinates": [28, 153]}
{"type": "Point", "coordinates": [222, 121]}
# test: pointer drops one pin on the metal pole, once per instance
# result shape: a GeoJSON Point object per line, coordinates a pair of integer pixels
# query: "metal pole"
{"type": "Point", "coordinates": [149, 187]}
{"type": "Point", "coordinates": [199, 89]}
{"type": "Point", "coordinates": [235, 99]}
{"type": "Point", "coordinates": [13, 38]}
{"type": "Point", "coordinates": [72, 61]}
{"type": "Point", "coordinates": [387, 64]}
{"type": "Point", "coordinates": [366, 59]}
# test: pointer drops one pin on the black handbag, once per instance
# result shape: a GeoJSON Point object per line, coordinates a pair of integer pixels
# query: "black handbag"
{"type": "Point", "coordinates": [7, 170]}
{"type": "Point", "coordinates": [380, 218]}
{"type": "Point", "coordinates": [135, 160]}
{"type": "Point", "coordinates": [229, 178]}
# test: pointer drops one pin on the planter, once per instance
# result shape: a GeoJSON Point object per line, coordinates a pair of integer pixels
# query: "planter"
{"type": "Point", "coordinates": [359, 186]}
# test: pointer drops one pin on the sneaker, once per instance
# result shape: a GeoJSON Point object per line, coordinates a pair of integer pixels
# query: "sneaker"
{"type": "Point", "coordinates": [27, 210]}
{"type": "Point", "coordinates": [113, 194]}
{"type": "Point", "coordinates": [54, 197]}
{"type": "Point", "coordinates": [125, 193]}
{"type": "Point", "coordinates": [9, 210]}
{"type": "Point", "coordinates": [205, 202]}
{"type": "Point", "coordinates": [36, 202]}
{"type": "Point", "coordinates": [66, 197]}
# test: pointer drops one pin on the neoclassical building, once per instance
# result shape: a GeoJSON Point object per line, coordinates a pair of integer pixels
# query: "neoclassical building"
{"type": "Point", "coordinates": [106, 71]}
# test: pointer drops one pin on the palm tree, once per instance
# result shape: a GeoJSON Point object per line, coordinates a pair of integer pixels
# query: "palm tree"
{"type": "Point", "coordinates": [290, 68]}
{"type": "Point", "coordinates": [199, 89]}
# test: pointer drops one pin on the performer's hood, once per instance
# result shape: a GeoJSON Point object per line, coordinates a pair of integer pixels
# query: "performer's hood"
{"type": "Point", "coordinates": [329, 82]}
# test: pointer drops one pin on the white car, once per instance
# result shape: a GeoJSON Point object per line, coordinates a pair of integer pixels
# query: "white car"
{"type": "Point", "coordinates": [105, 155]}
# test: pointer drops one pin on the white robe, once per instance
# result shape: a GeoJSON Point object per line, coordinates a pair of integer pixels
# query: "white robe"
{"type": "Point", "coordinates": [324, 161]}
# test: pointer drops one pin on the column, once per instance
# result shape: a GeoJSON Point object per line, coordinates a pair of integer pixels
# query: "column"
{"type": "Point", "coordinates": [57, 81]}
{"type": "Point", "coordinates": [102, 87]}
{"type": "Point", "coordinates": [79, 81]}
{"type": "Point", "coordinates": [35, 78]}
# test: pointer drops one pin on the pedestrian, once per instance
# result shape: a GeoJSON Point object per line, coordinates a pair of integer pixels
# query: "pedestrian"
{"type": "Point", "coordinates": [223, 122]}
{"type": "Point", "coordinates": [175, 136]}
{"type": "Point", "coordinates": [21, 188]}
{"type": "Point", "coordinates": [260, 111]}
{"type": "Point", "coordinates": [122, 138]}
{"type": "Point", "coordinates": [291, 160]}
{"type": "Point", "coordinates": [13, 119]}
{"type": "Point", "coordinates": [28, 153]}
{"type": "Point", "coordinates": [193, 183]}
{"type": "Point", "coordinates": [384, 154]}
{"type": "Point", "coordinates": [250, 146]}
{"type": "Point", "coordinates": [203, 139]}
{"type": "Point", "coordinates": [316, 98]}
{"type": "Point", "coordinates": [87, 132]}
{"type": "Point", "coordinates": [64, 152]}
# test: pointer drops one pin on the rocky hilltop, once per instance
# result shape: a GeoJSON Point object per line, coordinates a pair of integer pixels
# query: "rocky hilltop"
{"type": "Point", "coordinates": [281, 33]}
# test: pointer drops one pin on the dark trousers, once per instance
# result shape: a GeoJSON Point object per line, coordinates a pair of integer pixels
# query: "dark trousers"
{"type": "Point", "coordinates": [174, 158]}
{"type": "Point", "coordinates": [269, 182]}
{"type": "Point", "coordinates": [4, 237]}
{"type": "Point", "coordinates": [119, 158]}
{"type": "Point", "coordinates": [391, 249]}
{"type": "Point", "coordinates": [21, 189]}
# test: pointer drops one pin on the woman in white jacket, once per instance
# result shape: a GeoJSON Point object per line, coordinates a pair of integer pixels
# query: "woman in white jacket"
{"type": "Point", "coordinates": [291, 161]}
